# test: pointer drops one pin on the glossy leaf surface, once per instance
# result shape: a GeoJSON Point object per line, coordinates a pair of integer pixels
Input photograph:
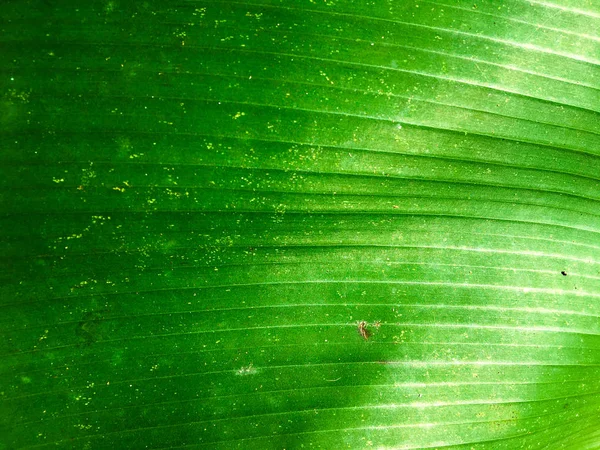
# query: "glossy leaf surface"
{"type": "Point", "coordinates": [286, 224]}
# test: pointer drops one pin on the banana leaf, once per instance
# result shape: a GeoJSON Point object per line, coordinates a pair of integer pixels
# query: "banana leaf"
{"type": "Point", "coordinates": [300, 224]}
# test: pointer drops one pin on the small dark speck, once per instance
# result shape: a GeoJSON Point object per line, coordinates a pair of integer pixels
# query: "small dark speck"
{"type": "Point", "coordinates": [563, 273]}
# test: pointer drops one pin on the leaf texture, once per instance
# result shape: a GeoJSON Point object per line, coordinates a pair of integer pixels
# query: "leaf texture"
{"type": "Point", "coordinates": [300, 224]}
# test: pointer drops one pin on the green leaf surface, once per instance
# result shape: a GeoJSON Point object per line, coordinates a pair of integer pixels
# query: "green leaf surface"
{"type": "Point", "coordinates": [300, 224]}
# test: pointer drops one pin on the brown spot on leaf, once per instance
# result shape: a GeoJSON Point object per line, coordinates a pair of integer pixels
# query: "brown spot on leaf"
{"type": "Point", "coordinates": [363, 331]}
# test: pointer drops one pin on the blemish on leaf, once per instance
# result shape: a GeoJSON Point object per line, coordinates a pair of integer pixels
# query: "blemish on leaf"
{"type": "Point", "coordinates": [363, 331]}
{"type": "Point", "coordinates": [246, 370]}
